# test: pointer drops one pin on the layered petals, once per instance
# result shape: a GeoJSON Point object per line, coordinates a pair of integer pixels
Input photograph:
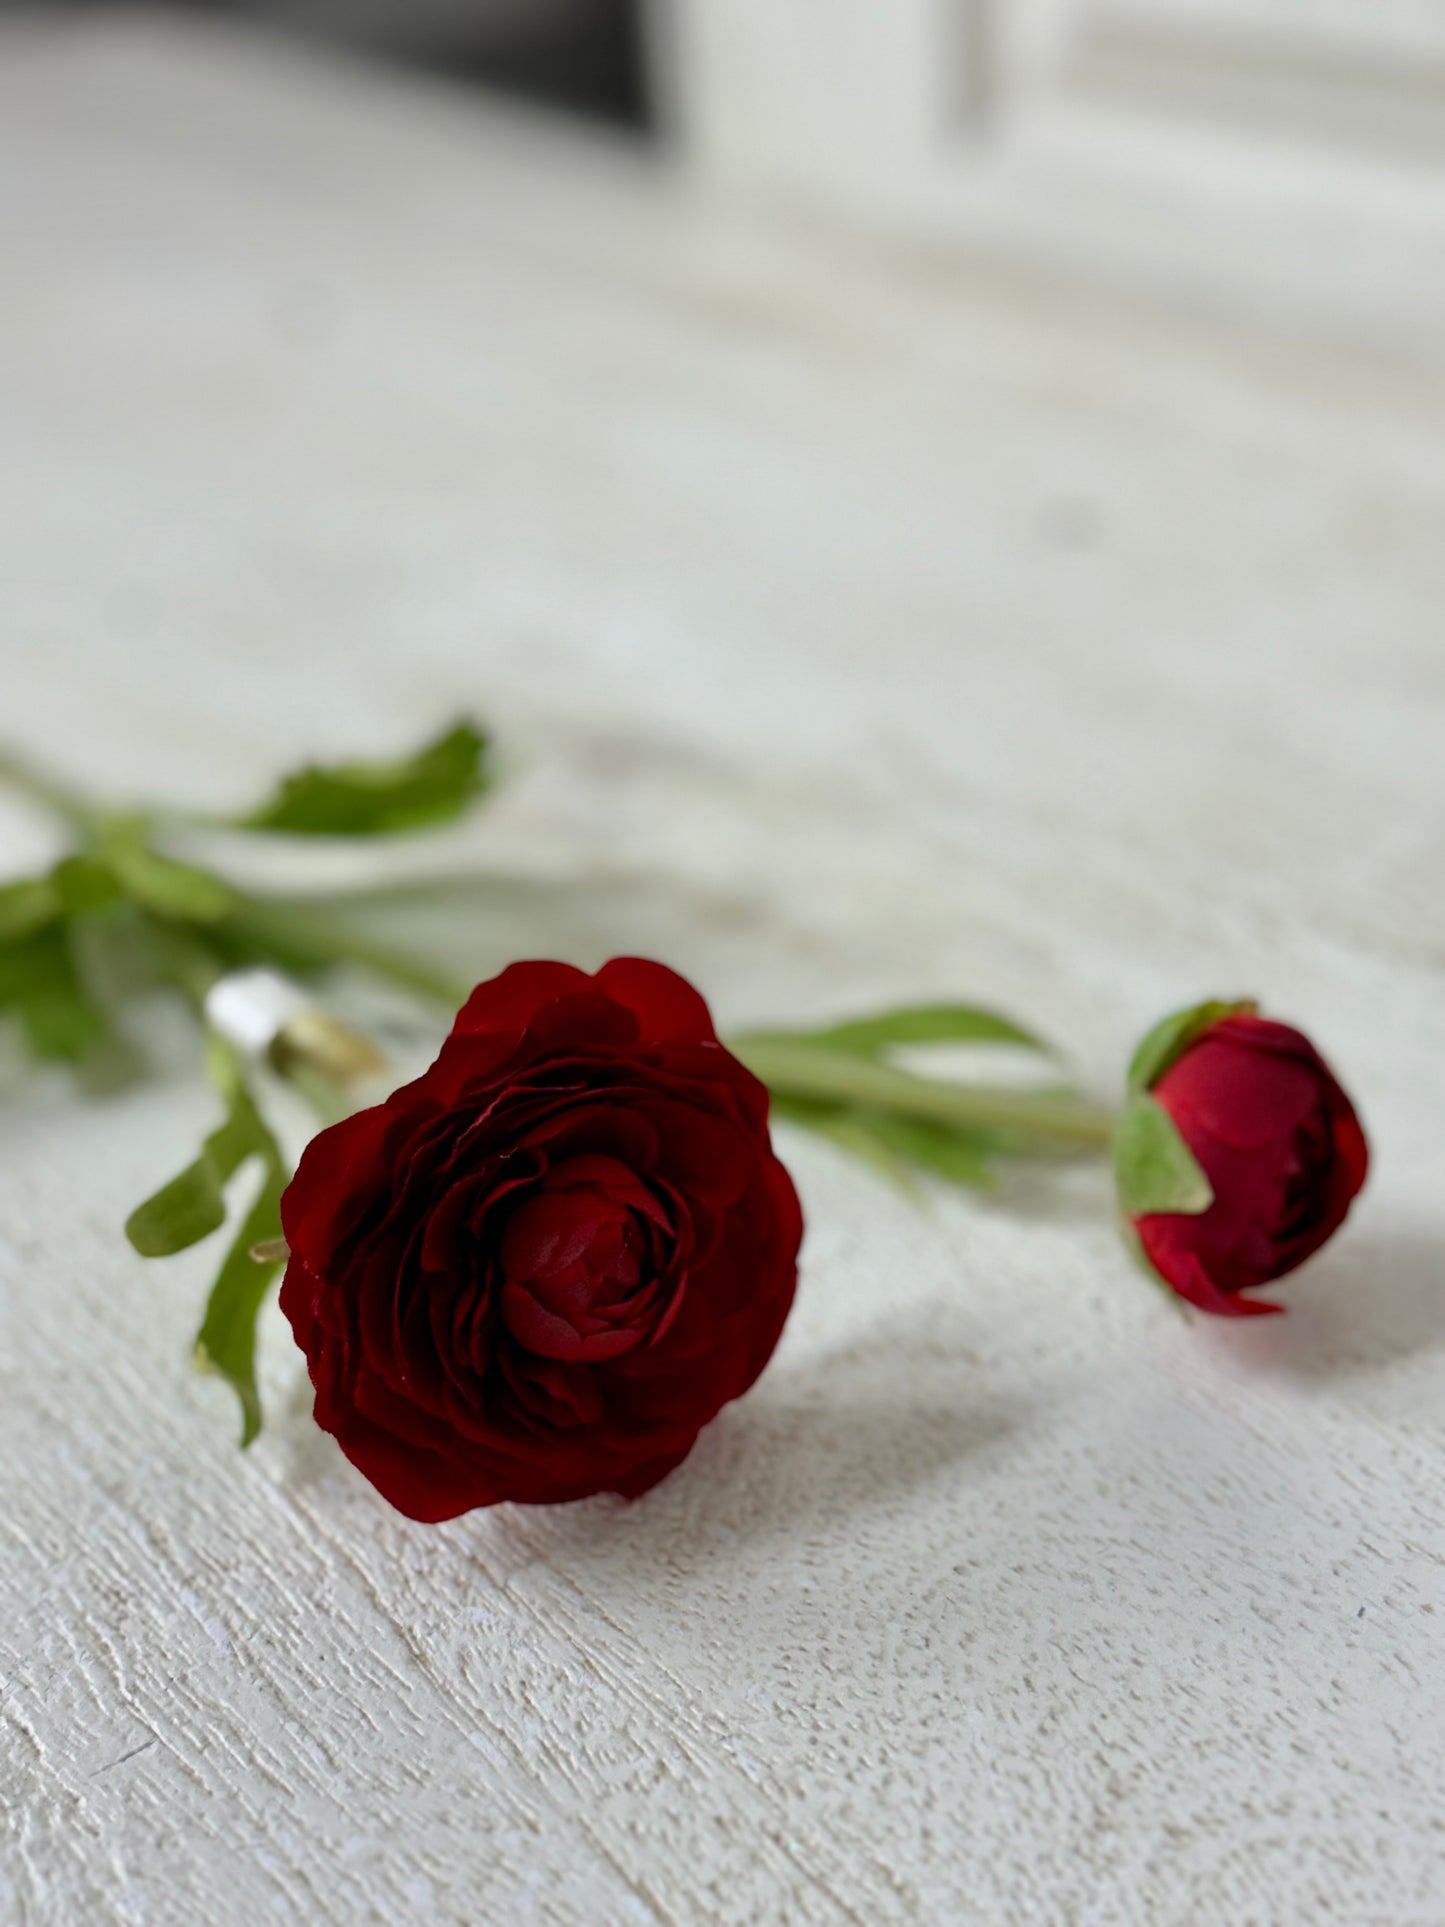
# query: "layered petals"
{"type": "Point", "coordinates": [1284, 1153]}
{"type": "Point", "coordinates": [537, 1271]}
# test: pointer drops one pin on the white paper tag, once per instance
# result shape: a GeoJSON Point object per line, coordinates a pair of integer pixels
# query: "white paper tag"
{"type": "Point", "coordinates": [250, 1008]}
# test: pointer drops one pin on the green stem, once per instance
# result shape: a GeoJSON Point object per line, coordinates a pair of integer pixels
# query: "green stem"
{"type": "Point", "coordinates": [326, 1097]}
{"type": "Point", "coordinates": [806, 1071]}
{"type": "Point", "coordinates": [332, 942]}
{"type": "Point", "coordinates": [187, 961]}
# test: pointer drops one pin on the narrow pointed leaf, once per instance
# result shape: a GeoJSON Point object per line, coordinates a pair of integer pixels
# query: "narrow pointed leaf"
{"type": "Point", "coordinates": [40, 984]}
{"type": "Point", "coordinates": [916, 1024]}
{"type": "Point", "coordinates": [896, 1144]}
{"type": "Point", "coordinates": [379, 799]}
{"type": "Point", "coordinates": [26, 906]}
{"type": "Point", "coordinates": [1172, 1036]}
{"type": "Point", "coordinates": [226, 1342]}
{"type": "Point", "coordinates": [193, 1205]}
{"type": "Point", "coordinates": [169, 889]}
{"type": "Point", "coordinates": [850, 1130]}
{"type": "Point", "coordinates": [957, 1156]}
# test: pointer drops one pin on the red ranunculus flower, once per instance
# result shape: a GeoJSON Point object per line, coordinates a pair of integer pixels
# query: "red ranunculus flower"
{"type": "Point", "coordinates": [538, 1271]}
{"type": "Point", "coordinates": [1283, 1151]}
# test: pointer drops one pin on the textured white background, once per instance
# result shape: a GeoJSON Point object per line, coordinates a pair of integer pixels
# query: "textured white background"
{"type": "Point", "coordinates": [855, 629]}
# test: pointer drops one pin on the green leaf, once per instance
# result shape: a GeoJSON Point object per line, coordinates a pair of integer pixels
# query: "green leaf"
{"type": "Point", "coordinates": [31, 964]}
{"type": "Point", "coordinates": [27, 906]}
{"type": "Point", "coordinates": [226, 1342]}
{"type": "Point", "coordinates": [894, 1143]}
{"type": "Point", "coordinates": [1172, 1036]}
{"type": "Point", "coordinates": [84, 883]}
{"type": "Point", "coordinates": [179, 891]}
{"type": "Point", "coordinates": [914, 1024]}
{"type": "Point", "coordinates": [850, 1130]}
{"type": "Point", "coordinates": [1154, 1168]}
{"type": "Point", "coordinates": [30, 904]}
{"type": "Point", "coordinates": [40, 984]}
{"type": "Point", "coordinates": [192, 1205]}
{"type": "Point", "coordinates": [958, 1156]}
{"type": "Point", "coordinates": [379, 799]}
{"type": "Point", "coordinates": [61, 1022]}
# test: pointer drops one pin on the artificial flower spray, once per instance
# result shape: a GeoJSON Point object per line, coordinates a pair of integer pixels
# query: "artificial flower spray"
{"type": "Point", "coordinates": [536, 1271]}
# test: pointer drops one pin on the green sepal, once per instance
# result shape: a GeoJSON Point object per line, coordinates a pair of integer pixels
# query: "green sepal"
{"type": "Point", "coordinates": [1172, 1036]}
{"type": "Point", "coordinates": [379, 799]}
{"type": "Point", "coordinates": [1154, 1168]}
{"type": "Point", "coordinates": [30, 963]}
{"type": "Point", "coordinates": [914, 1024]}
{"type": "Point", "coordinates": [63, 1024]}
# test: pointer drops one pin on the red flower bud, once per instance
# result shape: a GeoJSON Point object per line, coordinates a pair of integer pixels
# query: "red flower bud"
{"type": "Point", "coordinates": [1279, 1143]}
{"type": "Point", "coordinates": [538, 1271]}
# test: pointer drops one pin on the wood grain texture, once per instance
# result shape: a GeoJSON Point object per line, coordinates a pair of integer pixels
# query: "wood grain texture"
{"type": "Point", "coordinates": [857, 630]}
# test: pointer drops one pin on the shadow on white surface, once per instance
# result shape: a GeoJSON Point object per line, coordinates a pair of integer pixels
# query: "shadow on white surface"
{"type": "Point", "coordinates": [473, 925]}
{"type": "Point", "coordinates": [812, 1449]}
{"type": "Point", "coordinates": [1364, 1306]}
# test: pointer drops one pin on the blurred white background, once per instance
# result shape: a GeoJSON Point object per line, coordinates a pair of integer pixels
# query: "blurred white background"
{"type": "Point", "coordinates": [935, 499]}
{"type": "Point", "coordinates": [1279, 159]}
{"type": "Point", "coordinates": [1284, 159]}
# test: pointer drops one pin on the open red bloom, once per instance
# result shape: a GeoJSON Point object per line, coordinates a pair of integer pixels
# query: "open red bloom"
{"type": "Point", "coordinates": [1283, 1151]}
{"type": "Point", "coordinates": [538, 1271]}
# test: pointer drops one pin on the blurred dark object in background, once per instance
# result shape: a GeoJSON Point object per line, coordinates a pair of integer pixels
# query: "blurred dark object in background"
{"type": "Point", "coordinates": [586, 56]}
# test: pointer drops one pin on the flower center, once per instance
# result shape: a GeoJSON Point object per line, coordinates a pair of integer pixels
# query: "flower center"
{"type": "Point", "coordinates": [1306, 1176]}
{"type": "Point", "coordinates": [581, 1259]}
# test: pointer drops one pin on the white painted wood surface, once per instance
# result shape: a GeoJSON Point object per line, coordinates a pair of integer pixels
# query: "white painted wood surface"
{"type": "Point", "coordinates": [1281, 160]}
{"type": "Point", "coordinates": [856, 630]}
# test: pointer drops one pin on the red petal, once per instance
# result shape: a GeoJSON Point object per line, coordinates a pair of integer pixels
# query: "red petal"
{"type": "Point", "coordinates": [510, 1001]}
{"type": "Point", "coordinates": [667, 1007]}
{"type": "Point", "coordinates": [549, 1336]}
{"type": "Point", "coordinates": [336, 1176]}
{"type": "Point", "coordinates": [1185, 1274]}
